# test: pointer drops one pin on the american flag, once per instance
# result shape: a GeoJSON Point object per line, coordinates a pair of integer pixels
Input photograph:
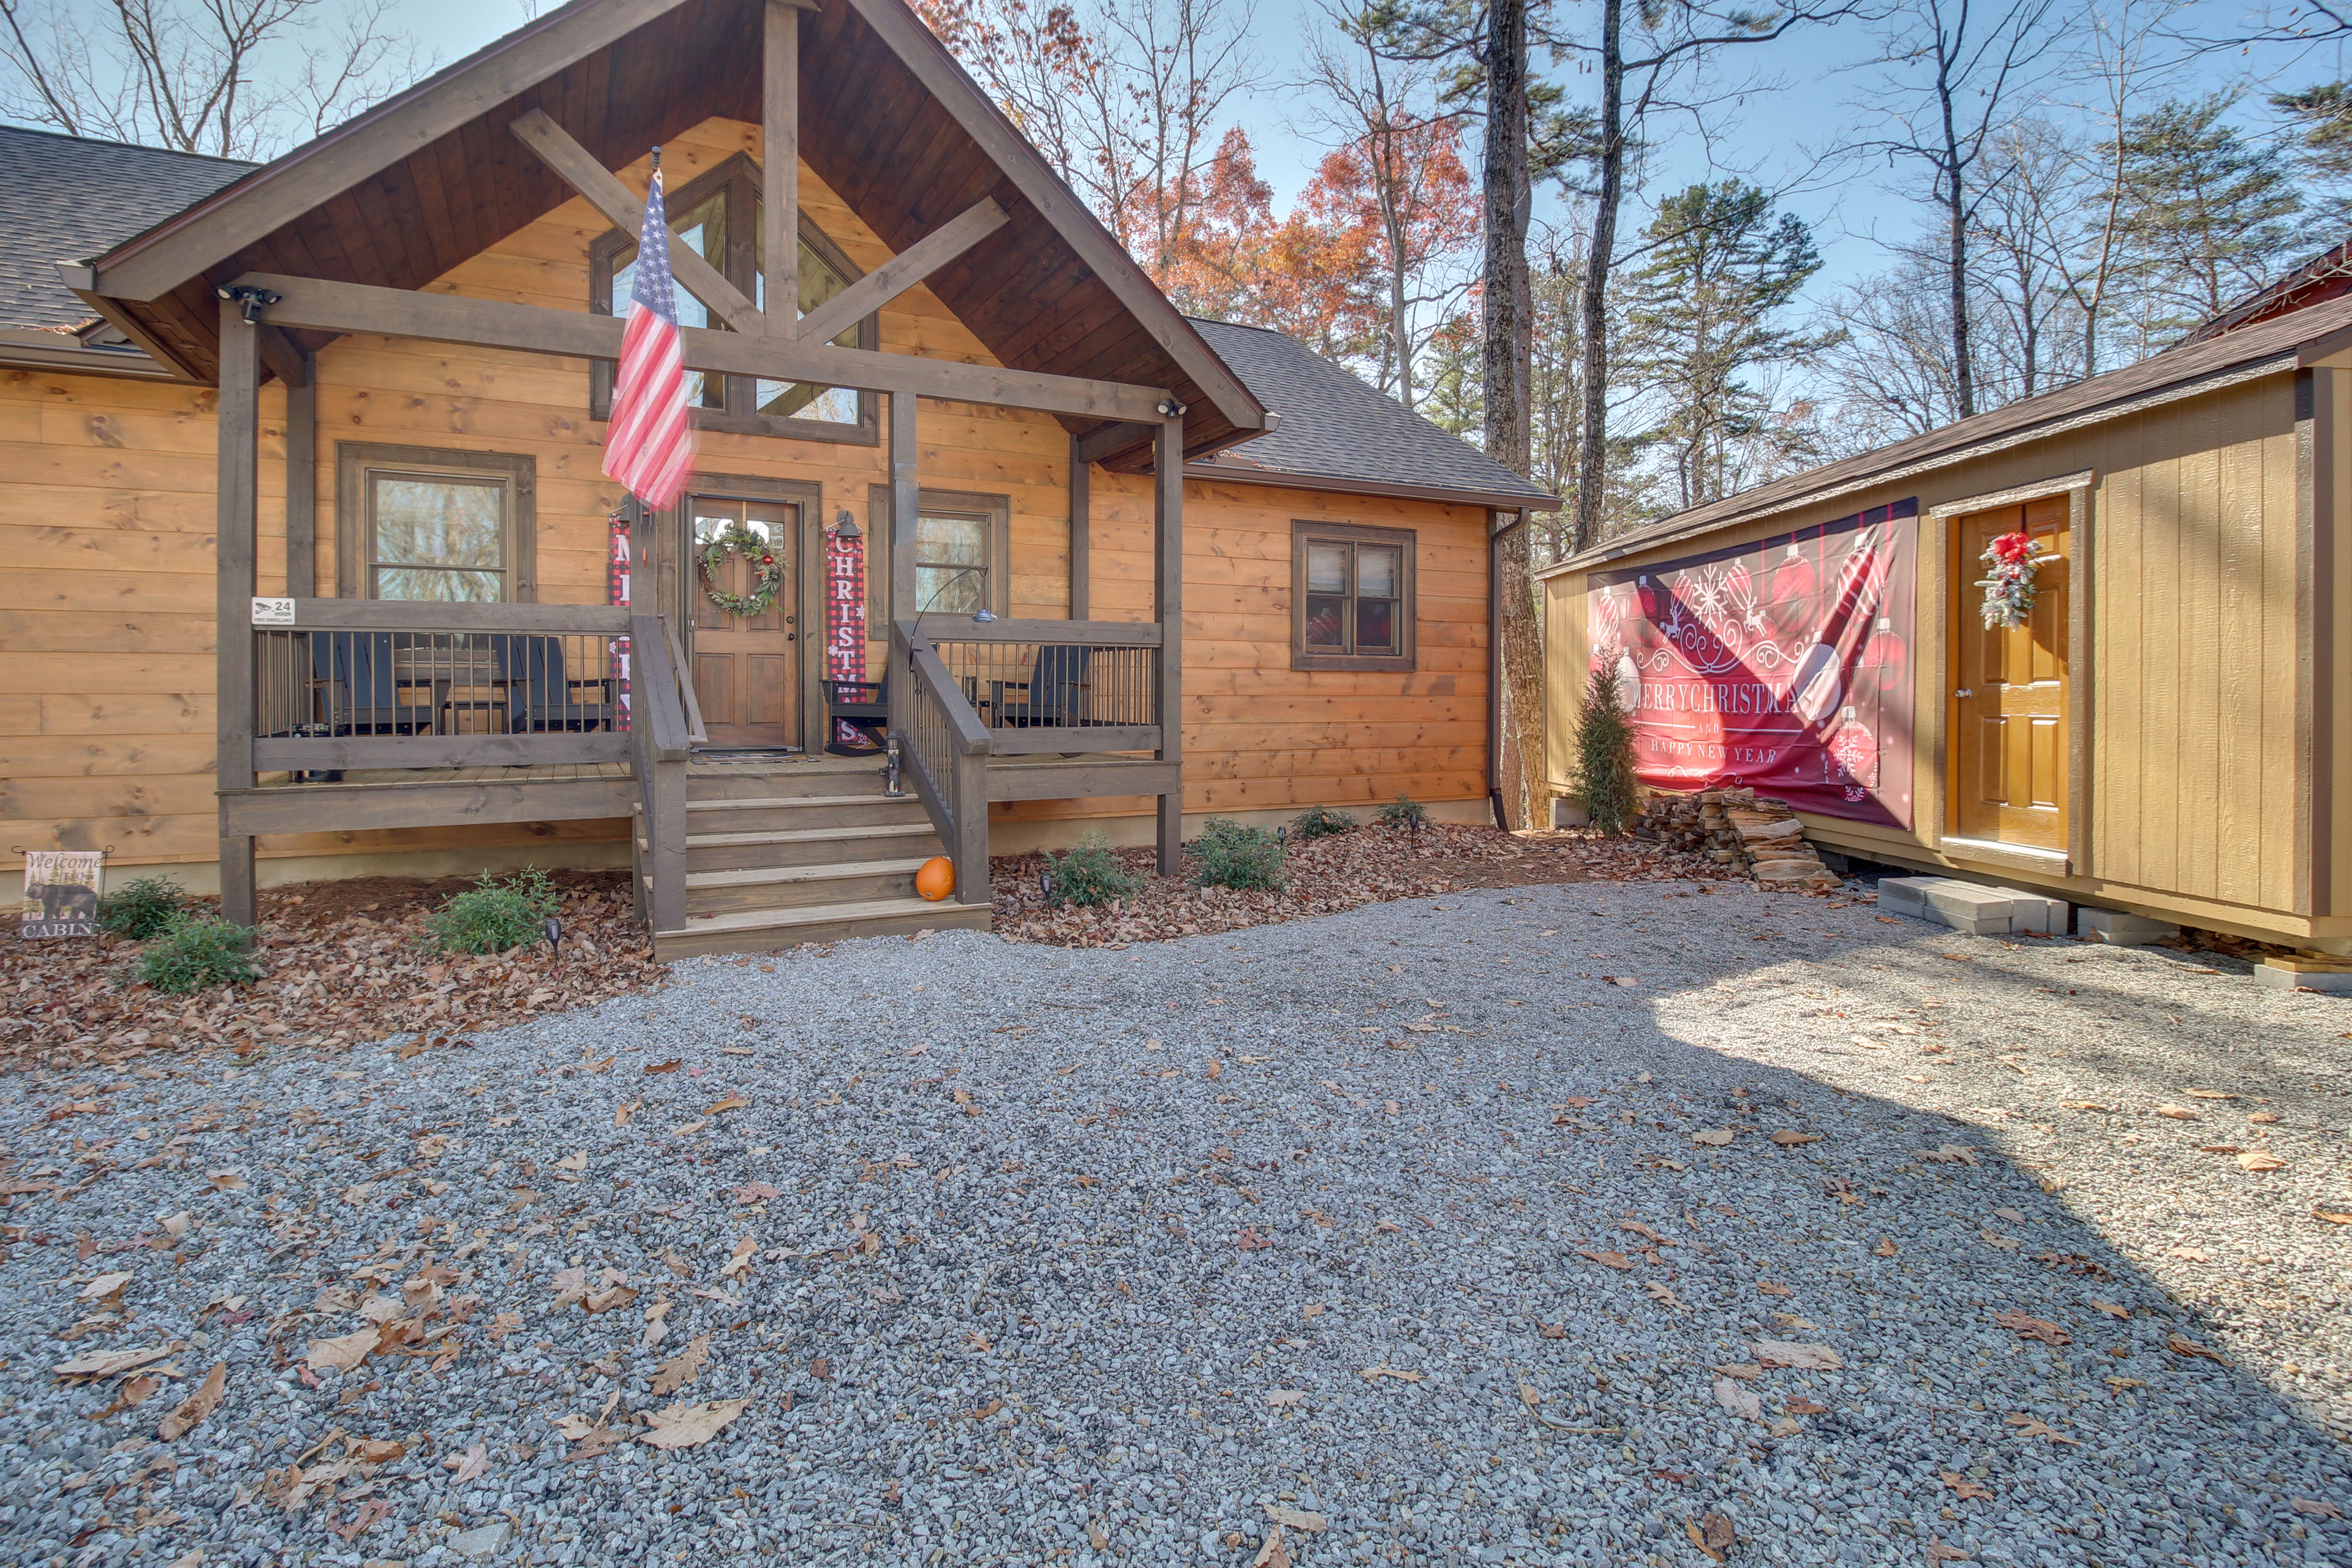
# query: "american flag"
{"type": "Point", "coordinates": [646, 445]}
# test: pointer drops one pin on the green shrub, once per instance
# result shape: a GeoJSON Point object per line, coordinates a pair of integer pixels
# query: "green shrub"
{"type": "Point", "coordinates": [1403, 812]}
{"type": "Point", "coordinates": [494, 916]}
{"type": "Point", "coordinates": [1232, 855]}
{"type": "Point", "coordinates": [1320, 822]}
{"type": "Point", "coordinates": [1089, 874]}
{"type": "Point", "coordinates": [140, 910]}
{"type": "Point", "coordinates": [1604, 755]}
{"type": "Point", "coordinates": [198, 951]}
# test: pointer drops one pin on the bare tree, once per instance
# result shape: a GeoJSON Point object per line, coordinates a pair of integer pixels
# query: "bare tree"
{"type": "Point", "coordinates": [1975, 56]}
{"type": "Point", "coordinates": [2123, 55]}
{"type": "Point", "coordinates": [236, 78]}
{"type": "Point", "coordinates": [1126, 100]}
{"type": "Point", "coordinates": [1671, 38]}
{"type": "Point", "coordinates": [1383, 114]}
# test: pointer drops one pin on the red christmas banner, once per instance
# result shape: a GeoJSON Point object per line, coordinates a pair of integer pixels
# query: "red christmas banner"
{"type": "Point", "coordinates": [616, 591]}
{"type": "Point", "coordinates": [1783, 664]}
{"type": "Point", "coordinates": [844, 616]}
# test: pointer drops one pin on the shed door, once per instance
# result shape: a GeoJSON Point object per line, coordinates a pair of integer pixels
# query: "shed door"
{"type": "Point", "coordinates": [2010, 693]}
{"type": "Point", "coordinates": [745, 667]}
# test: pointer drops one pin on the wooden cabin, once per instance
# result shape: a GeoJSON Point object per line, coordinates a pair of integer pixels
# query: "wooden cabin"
{"type": "Point", "coordinates": [2159, 738]}
{"type": "Point", "coordinates": [311, 569]}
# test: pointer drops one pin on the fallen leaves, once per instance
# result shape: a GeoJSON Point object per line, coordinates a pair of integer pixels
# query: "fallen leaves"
{"type": "Point", "coordinates": [1250, 1240]}
{"type": "Point", "coordinates": [2028, 1328]}
{"type": "Point", "coordinates": [1712, 1534]}
{"type": "Point", "coordinates": [689, 1425]}
{"type": "Point", "coordinates": [1808, 1358]}
{"type": "Point", "coordinates": [2261, 1160]}
{"type": "Point", "coordinates": [2314, 1507]}
{"type": "Point", "coordinates": [196, 1406]}
{"type": "Point", "coordinates": [113, 1363]}
{"type": "Point", "coordinates": [1738, 1398]}
{"type": "Point", "coordinates": [1790, 1139]}
{"type": "Point", "coordinates": [1374, 1373]}
{"type": "Point", "coordinates": [1296, 1518]}
{"type": "Point", "coordinates": [2032, 1426]}
{"type": "Point", "coordinates": [1283, 1398]}
{"type": "Point", "coordinates": [739, 1262]}
{"type": "Point", "coordinates": [1937, 1553]}
{"type": "Point", "coordinates": [670, 1066]}
{"type": "Point", "coordinates": [2176, 1112]}
{"type": "Point", "coordinates": [2111, 1310]}
{"type": "Point", "coordinates": [1713, 1137]}
{"type": "Point", "coordinates": [732, 1103]}
{"type": "Point", "coordinates": [1949, 1154]}
{"type": "Point", "coordinates": [1885, 1247]}
{"type": "Point", "coordinates": [469, 1466]}
{"type": "Point", "coordinates": [2180, 1344]}
{"type": "Point", "coordinates": [1607, 1260]}
{"type": "Point", "coordinates": [682, 1368]}
{"type": "Point", "coordinates": [105, 1285]}
{"type": "Point", "coordinates": [756, 1193]}
{"type": "Point", "coordinates": [2341, 1214]}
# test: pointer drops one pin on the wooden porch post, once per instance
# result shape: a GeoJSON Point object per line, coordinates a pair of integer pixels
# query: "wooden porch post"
{"type": "Point", "coordinates": [1167, 587]}
{"type": "Point", "coordinates": [906, 499]}
{"type": "Point", "coordinates": [236, 491]}
{"type": "Point", "coordinates": [1082, 513]}
{"type": "Point", "coordinates": [302, 482]}
{"type": "Point", "coordinates": [779, 171]}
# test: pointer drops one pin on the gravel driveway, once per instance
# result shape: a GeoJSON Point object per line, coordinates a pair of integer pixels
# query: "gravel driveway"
{"type": "Point", "coordinates": [1563, 1225]}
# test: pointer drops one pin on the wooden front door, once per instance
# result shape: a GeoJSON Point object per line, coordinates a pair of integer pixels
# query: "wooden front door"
{"type": "Point", "coordinates": [2009, 692]}
{"type": "Point", "coordinates": [745, 667]}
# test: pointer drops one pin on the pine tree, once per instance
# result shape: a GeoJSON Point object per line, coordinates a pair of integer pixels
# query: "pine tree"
{"type": "Point", "coordinates": [1604, 755]}
{"type": "Point", "coordinates": [2209, 210]}
{"type": "Point", "coordinates": [1700, 323]}
{"type": "Point", "coordinates": [2321, 118]}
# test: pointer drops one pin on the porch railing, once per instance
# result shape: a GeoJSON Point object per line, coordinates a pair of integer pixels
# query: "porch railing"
{"type": "Point", "coordinates": [944, 750]}
{"type": "Point", "coordinates": [1055, 686]}
{"type": "Point", "coordinates": [359, 683]}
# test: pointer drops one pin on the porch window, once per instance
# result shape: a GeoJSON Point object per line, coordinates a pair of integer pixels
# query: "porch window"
{"type": "Point", "coordinates": [1352, 599]}
{"type": "Point", "coordinates": [427, 523]}
{"type": "Point", "coordinates": [717, 215]}
{"type": "Point", "coordinates": [963, 550]}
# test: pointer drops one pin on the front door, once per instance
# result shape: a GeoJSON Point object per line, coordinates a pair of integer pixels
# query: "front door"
{"type": "Point", "coordinates": [746, 665]}
{"type": "Point", "coordinates": [2009, 691]}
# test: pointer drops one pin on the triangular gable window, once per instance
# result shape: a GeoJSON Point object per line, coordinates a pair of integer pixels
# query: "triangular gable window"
{"type": "Point", "coordinates": [717, 216]}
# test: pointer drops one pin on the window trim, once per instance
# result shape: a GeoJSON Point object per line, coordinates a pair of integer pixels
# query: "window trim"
{"type": "Point", "coordinates": [1406, 541]}
{"type": "Point", "coordinates": [355, 460]}
{"type": "Point", "coordinates": [738, 178]}
{"type": "Point", "coordinates": [998, 511]}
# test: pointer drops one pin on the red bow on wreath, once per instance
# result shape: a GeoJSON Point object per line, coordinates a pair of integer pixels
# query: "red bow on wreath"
{"type": "Point", "coordinates": [2012, 548]}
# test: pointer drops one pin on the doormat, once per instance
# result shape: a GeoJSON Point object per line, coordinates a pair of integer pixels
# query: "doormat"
{"type": "Point", "coordinates": [749, 755]}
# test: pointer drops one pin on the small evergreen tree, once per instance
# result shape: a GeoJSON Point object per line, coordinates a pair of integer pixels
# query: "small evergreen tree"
{"type": "Point", "coordinates": [1604, 754]}
{"type": "Point", "coordinates": [2209, 209]}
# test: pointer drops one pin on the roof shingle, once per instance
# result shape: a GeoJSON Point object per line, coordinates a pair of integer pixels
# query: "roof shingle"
{"type": "Point", "coordinates": [1335, 427]}
{"type": "Point", "coordinates": [70, 198]}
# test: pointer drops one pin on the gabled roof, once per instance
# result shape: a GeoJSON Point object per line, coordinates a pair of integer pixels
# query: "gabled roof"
{"type": "Point", "coordinates": [2327, 276]}
{"type": "Point", "coordinates": [405, 192]}
{"type": "Point", "coordinates": [1335, 427]}
{"type": "Point", "coordinates": [67, 197]}
{"type": "Point", "coordinates": [2281, 343]}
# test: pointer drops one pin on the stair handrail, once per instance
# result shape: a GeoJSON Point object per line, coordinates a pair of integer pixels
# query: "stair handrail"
{"type": "Point", "coordinates": [685, 673]}
{"type": "Point", "coordinates": [949, 768]}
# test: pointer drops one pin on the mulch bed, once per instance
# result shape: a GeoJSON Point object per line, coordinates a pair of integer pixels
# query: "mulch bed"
{"type": "Point", "coordinates": [348, 964]}
{"type": "Point", "coordinates": [1362, 866]}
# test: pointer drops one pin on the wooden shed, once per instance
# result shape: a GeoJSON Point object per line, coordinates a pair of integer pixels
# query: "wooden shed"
{"type": "Point", "coordinates": [311, 569]}
{"type": "Point", "coordinates": [2162, 736]}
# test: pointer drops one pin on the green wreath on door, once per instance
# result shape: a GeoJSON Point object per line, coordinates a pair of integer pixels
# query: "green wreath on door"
{"type": "Point", "coordinates": [769, 579]}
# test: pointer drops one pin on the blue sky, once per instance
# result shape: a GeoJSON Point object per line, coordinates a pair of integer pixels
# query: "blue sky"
{"type": "Point", "coordinates": [1780, 106]}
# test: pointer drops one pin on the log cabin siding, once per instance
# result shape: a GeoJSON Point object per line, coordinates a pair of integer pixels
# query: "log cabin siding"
{"type": "Point", "coordinates": [2198, 708]}
{"type": "Point", "coordinates": [107, 620]}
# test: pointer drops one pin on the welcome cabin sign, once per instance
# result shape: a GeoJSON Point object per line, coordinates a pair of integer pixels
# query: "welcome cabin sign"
{"type": "Point", "coordinates": [1784, 663]}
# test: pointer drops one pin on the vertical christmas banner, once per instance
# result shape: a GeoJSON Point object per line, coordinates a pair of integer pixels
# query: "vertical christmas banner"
{"type": "Point", "coordinates": [616, 591]}
{"type": "Point", "coordinates": [845, 614]}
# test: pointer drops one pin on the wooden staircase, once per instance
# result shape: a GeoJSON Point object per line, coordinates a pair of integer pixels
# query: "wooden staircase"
{"type": "Point", "coordinates": [806, 850]}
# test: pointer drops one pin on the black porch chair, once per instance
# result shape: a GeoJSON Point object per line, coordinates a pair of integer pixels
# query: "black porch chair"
{"type": "Point", "coordinates": [1055, 694]}
{"type": "Point", "coordinates": [862, 705]}
{"type": "Point", "coordinates": [539, 696]}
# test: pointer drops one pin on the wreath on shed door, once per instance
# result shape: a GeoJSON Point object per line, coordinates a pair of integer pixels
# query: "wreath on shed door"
{"type": "Point", "coordinates": [2009, 592]}
{"type": "Point", "coordinates": [768, 572]}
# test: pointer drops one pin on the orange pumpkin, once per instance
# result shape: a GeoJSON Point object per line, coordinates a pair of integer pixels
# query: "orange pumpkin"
{"type": "Point", "coordinates": [936, 880]}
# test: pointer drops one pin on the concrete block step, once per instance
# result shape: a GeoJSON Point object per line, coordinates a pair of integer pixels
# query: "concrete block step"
{"type": "Point", "coordinates": [765, 931]}
{"type": "Point", "coordinates": [2117, 929]}
{"type": "Point", "coordinates": [794, 886]}
{"type": "Point", "coordinates": [809, 846]}
{"type": "Point", "coordinates": [1971, 907]}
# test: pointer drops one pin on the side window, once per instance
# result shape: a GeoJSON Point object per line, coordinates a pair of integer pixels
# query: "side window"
{"type": "Point", "coordinates": [718, 216]}
{"type": "Point", "coordinates": [423, 523]}
{"type": "Point", "coordinates": [1351, 597]}
{"type": "Point", "coordinates": [963, 546]}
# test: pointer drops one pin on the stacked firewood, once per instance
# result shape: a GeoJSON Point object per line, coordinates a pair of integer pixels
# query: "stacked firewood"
{"type": "Point", "coordinates": [1735, 828]}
